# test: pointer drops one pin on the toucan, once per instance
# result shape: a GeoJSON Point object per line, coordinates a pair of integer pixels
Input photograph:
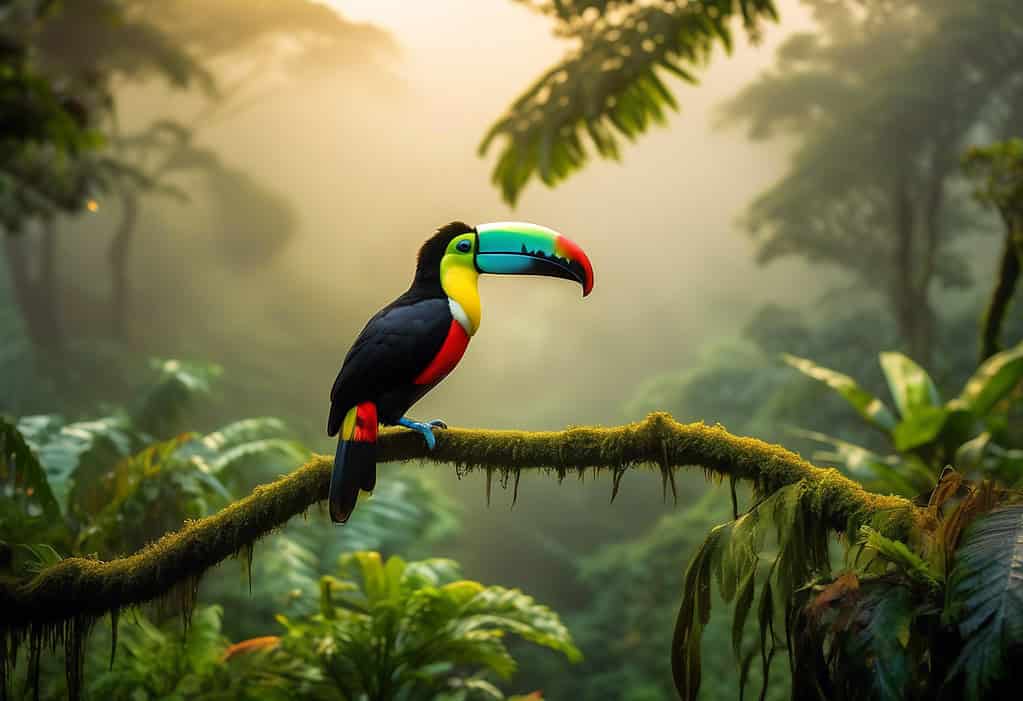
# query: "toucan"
{"type": "Point", "coordinates": [412, 344]}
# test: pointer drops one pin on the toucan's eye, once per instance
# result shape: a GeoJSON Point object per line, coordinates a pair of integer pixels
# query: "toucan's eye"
{"type": "Point", "coordinates": [463, 246]}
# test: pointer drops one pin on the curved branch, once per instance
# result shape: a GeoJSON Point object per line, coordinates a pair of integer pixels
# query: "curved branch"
{"type": "Point", "coordinates": [77, 590]}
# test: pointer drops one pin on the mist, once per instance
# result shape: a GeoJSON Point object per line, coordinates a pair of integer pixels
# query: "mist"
{"type": "Point", "coordinates": [376, 155]}
{"type": "Point", "coordinates": [804, 252]}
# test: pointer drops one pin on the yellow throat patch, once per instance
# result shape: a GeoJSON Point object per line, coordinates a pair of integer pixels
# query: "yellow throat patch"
{"type": "Point", "coordinates": [460, 280]}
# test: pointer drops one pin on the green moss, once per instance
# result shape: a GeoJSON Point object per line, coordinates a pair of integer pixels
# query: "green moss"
{"type": "Point", "coordinates": [61, 603]}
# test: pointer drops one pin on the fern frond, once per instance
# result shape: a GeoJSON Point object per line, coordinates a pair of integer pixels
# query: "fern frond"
{"type": "Point", "coordinates": [898, 554]}
{"type": "Point", "coordinates": [985, 599]}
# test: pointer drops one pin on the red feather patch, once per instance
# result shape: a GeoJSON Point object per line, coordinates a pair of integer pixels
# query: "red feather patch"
{"type": "Point", "coordinates": [447, 357]}
{"type": "Point", "coordinates": [365, 423]}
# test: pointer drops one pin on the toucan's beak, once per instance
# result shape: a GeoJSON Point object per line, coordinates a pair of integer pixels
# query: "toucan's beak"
{"type": "Point", "coordinates": [518, 248]}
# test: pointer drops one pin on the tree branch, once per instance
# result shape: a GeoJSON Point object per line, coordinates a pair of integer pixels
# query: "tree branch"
{"type": "Point", "coordinates": [1008, 275]}
{"type": "Point", "coordinates": [77, 590]}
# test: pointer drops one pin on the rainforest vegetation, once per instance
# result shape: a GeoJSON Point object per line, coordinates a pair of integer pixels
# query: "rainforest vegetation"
{"type": "Point", "coordinates": [777, 453]}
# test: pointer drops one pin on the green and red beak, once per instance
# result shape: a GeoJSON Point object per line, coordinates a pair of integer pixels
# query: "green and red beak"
{"type": "Point", "coordinates": [520, 248]}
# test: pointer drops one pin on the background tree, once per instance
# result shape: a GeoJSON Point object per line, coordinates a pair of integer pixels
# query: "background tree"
{"type": "Point", "coordinates": [45, 133]}
{"type": "Point", "coordinates": [107, 45]}
{"type": "Point", "coordinates": [883, 98]}
{"type": "Point", "coordinates": [999, 168]}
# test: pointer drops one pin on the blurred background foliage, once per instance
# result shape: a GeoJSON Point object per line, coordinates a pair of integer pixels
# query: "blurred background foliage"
{"type": "Point", "coordinates": [237, 184]}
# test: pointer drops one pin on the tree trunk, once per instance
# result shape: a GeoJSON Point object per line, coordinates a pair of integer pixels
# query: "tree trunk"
{"type": "Point", "coordinates": [37, 295]}
{"type": "Point", "coordinates": [923, 343]}
{"type": "Point", "coordinates": [1008, 277]}
{"type": "Point", "coordinates": [49, 287]}
{"type": "Point", "coordinates": [119, 255]}
{"type": "Point", "coordinates": [908, 292]}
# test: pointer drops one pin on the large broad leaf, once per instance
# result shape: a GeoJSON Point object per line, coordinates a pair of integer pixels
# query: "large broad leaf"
{"type": "Point", "coordinates": [20, 467]}
{"type": "Point", "coordinates": [985, 598]}
{"type": "Point", "coordinates": [879, 639]}
{"type": "Point", "coordinates": [919, 428]}
{"type": "Point", "coordinates": [870, 407]}
{"type": "Point", "coordinates": [910, 385]}
{"type": "Point", "coordinates": [993, 380]}
{"type": "Point", "coordinates": [901, 476]}
{"type": "Point", "coordinates": [489, 608]}
{"type": "Point", "coordinates": [77, 452]}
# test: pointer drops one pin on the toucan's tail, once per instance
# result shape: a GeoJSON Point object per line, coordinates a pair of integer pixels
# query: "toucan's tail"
{"type": "Point", "coordinates": [355, 462]}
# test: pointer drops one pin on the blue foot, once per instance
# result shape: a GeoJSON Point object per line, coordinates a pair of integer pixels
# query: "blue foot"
{"type": "Point", "coordinates": [424, 428]}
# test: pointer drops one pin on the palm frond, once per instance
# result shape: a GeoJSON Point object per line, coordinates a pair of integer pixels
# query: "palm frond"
{"type": "Point", "coordinates": [612, 85]}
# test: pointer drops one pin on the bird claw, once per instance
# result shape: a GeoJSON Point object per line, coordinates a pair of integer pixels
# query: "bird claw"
{"type": "Point", "coordinates": [437, 423]}
{"type": "Point", "coordinates": [425, 429]}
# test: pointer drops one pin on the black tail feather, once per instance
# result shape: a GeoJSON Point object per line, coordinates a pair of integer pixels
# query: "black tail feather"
{"type": "Point", "coordinates": [354, 468]}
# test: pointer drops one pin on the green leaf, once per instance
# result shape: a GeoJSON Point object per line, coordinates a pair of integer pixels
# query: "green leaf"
{"type": "Point", "coordinates": [985, 598]}
{"type": "Point", "coordinates": [609, 86]}
{"type": "Point", "coordinates": [904, 476]}
{"type": "Point", "coordinates": [240, 454]}
{"type": "Point", "coordinates": [43, 556]}
{"type": "Point", "coordinates": [69, 451]}
{"type": "Point", "coordinates": [970, 455]}
{"type": "Point", "coordinates": [898, 554]}
{"type": "Point", "coordinates": [20, 466]}
{"type": "Point", "coordinates": [993, 380]}
{"type": "Point", "coordinates": [869, 407]}
{"type": "Point", "coordinates": [910, 385]}
{"type": "Point", "coordinates": [922, 426]}
{"type": "Point", "coordinates": [437, 636]}
{"type": "Point", "coordinates": [880, 640]}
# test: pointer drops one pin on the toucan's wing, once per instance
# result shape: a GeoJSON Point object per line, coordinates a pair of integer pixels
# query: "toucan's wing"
{"type": "Point", "coordinates": [396, 345]}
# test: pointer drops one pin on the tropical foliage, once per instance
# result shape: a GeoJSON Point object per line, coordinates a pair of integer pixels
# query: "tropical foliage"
{"type": "Point", "coordinates": [161, 662]}
{"type": "Point", "coordinates": [381, 630]}
{"type": "Point", "coordinates": [940, 616]}
{"type": "Point", "coordinates": [413, 630]}
{"type": "Point", "coordinates": [612, 85]}
{"type": "Point", "coordinates": [44, 128]}
{"type": "Point", "coordinates": [623, 625]}
{"type": "Point", "coordinates": [971, 431]}
{"type": "Point", "coordinates": [939, 619]}
{"type": "Point", "coordinates": [112, 484]}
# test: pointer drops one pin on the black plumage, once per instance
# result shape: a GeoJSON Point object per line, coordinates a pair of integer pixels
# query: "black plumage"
{"type": "Point", "coordinates": [396, 345]}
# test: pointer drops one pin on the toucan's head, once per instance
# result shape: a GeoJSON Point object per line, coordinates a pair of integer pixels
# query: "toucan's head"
{"type": "Point", "coordinates": [459, 252]}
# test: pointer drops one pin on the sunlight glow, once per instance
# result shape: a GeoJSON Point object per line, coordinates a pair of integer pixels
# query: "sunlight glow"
{"type": "Point", "coordinates": [360, 10]}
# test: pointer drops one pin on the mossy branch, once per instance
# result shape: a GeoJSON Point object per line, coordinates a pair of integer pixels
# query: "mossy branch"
{"type": "Point", "coordinates": [77, 589]}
